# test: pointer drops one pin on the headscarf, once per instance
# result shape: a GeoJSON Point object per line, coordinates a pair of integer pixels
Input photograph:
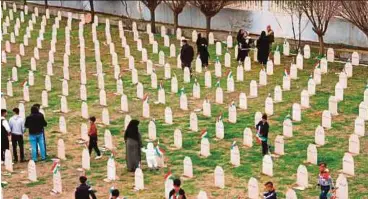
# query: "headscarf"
{"type": "Point", "coordinates": [132, 130]}
{"type": "Point", "coordinates": [263, 35]}
{"type": "Point", "coordinates": [240, 35]}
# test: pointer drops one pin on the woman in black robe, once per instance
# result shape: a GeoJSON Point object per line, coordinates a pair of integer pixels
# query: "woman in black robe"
{"type": "Point", "coordinates": [240, 39]}
{"type": "Point", "coordinates": [244, 47]}
{"type": "Point", "coordinates": [202, 49]}
{"type": "Point", "coordinates": [263, 48]}
{"type": "Point", "coordinates": [133, 145]}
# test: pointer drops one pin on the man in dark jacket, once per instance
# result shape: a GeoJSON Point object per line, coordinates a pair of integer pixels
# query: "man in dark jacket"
{"type": "Point", "coordinates": [35, 122]}
{"type": "Point", "coordinates": [5, 132]}
{"type": "Point", "coordinates": [186, 55]}
{"type": "Point", "coordinates": [84, 191]}
{"type": "Point", "coordinates": [262, 133]}
{"type": "Point", "coordinates": [43, 131]}
{"type": "Point", "coordinates": [270, 36]}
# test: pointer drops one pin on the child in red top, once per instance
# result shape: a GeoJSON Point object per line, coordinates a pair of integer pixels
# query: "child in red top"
{"type": "Point", "coordinates": [92, 133]}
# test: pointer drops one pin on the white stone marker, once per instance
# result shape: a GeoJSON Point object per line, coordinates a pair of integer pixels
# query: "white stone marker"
{"type": "Point", "coordinates": [342, 188]}
{"type": "Point", "coordinates": [312, 154]}
{"type": "Point", "coordinates": [326, 119]}
{"type": "Point", "coordinates": [61, 149]}
{"type": "Point", "coordinates": [359, 126]}
{"type": "Point", "coordinates": [247, 137]}
{"type": "Point", "coordinates": [279, 145]}
{"type": "Point", "coordinates": [354, 144]}
{"type": "Point", "coordinates": [253, 189]}
{"type": "Point", "coordinates": [205, 147]}
{"type": "Point", "coordinates": [348, 164]}
{"type": "Point", "coordinates": [32, 172]}
{"type": "Point", "coordinates": [138, 179]}
{"type": "Point", "coordinates": [234, 155]}
{"type": "Point", "coordinates": [287, 128]}
{"type": "Point", "coordinates": [296, 112]}
{"type": "Point", "coordinates": [277, 94]}
{"type": "Point", "coordinates": [302, 177]}
{"type": "Point", "coordinates": [330, 55]}
{"type": "Point", "coordinates": [319, 136]}
{"type": "Point", "coordinates": [85, 159]}
{"type": "Point", "coordinates": [355, 59]}
{"type": "Point", "coordinates": [332, 105]}
{"type": "Point", "coordinates": [188, 167]}
{"type": "Point", "coordinates": [178, 139]}
{"type": "Point", "coordinates": [219, 177]}
{"type": "Point", "coordinates": [267, 165]}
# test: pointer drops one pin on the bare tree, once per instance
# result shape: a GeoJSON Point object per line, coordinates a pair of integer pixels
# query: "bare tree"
{"type": "Point", "coordinates": [152, 5]}
{"type": "Point", "coordinates": [46, 4]}
{"type": "Point", "coordinates": [177, 7]}
{"type": "Point", "coordinates": [92, 7]}
{"type": "Point", "coordinates": [319, 14]}
{"type": "Point", "coordinates": [293, 9]}
{"type": "Point", "coordinates": [210, 9]}
{"type": "Point", "coordinates": [356, 12]}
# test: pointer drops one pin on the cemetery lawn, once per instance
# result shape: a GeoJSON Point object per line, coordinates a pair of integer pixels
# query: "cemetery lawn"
{"type": "Point", "coordinates": [236, 179]}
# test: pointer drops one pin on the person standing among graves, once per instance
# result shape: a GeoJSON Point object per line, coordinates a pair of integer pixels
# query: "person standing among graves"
{"type": "Point", "coordinates": [43, 130]}
{"type": "Point", "coordinates": [133, 145]}
{"type": "Point", "coordinates": [16, 123]}
{"type": "Point", "coordinates": [177, 192]}
{"type": "Point", "coordinates": [240, 40]}
{"type": "Point", "coordinates": [270, 36]}
{"type": "Point", "coordinates": [262, 133]}
{"type": "Point", "coordinates": [92, 133]}
{"type": "Point", "coordinates": [35, 123]}
{"type": "Point", "coordinates": [325, 182]}
{"type": "Point", "coordinates": [263, 47]}
{"type": "Point", "coordinates": [270, 191]}
{"type": "Point", "coordinates": [202, 49]}
{"type": "Point", "coordinates": [186, 55]}
{"type": "Point", "coordinates": [244, 46]}
{"type": "Point", "coordinates": [84, 191]}
{"type": "Point", "coordinates": [5, 131]}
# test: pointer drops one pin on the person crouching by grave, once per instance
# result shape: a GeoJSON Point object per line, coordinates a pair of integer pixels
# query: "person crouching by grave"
{"type": "Point", "coordinates": [35, 123]}
{"type": "Point", "coordinates": [263, 47]}
{"type": "Point", "coordinates": [5, 131]}
{"type": "Point", "coordinates": [92, 133]}
{"type": "Point", "coordinates": [325, 182]}
{"type": "Point", "coordinates": [151, 156]}
{"type": "Point", "coordinates": [262, 133]}
{"type": "Point", "coordinates": [84, 191]}
{"type": "Point", "coordinates": [16, 123]}
{"type": "Point", "coordinates": [177, 192]}
{"type": "Point", "coordinates": [202, 50]}
{"type": "Point", "coordinates": [270, 191]}
{"type": "Point", "coordinates": [133, 145]}
{"type": "Point", "coordinates": [186, 55]}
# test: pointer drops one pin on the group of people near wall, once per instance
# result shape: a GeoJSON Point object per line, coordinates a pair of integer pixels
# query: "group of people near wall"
{"type": "Point", "coordinates": [245, 43]}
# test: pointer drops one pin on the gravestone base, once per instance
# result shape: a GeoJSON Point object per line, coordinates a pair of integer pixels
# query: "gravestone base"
{"type": "Point", "coordinates": [251, 97]}
{"type": "Point", "coordinates": [300, 188]}
{"type": "Point", "coordinates": [108, 180]}
{"type": "Point", "coordinates": [201, 156]}
{"type": "Point", "coordinates": [54, 192]}
{"type": "Point", "coordinates": [345, 174]}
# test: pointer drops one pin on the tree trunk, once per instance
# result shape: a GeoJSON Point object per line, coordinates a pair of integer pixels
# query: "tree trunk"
{"type": "Point", "coordinates": [153, 21]}
{"type": "Point", "coordinates": [321, 45]}
{"type": "Point", "coordinates": [300, 29]}
{"type": "Point", "coordinates": [92, 10]}
{"type": "Point", "coordinates": [293, 28]}
{"type": "Point", "coordinates": [208, 25]}
{"type": "Point", "coordinates": [25, 2]}
{"type": "Point", "coordinates": [46, 4]}
{"type": "Point", "coordinates": [176, 20]}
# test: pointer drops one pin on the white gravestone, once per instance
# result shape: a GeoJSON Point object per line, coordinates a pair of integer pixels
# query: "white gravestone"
{"type": "Point", "coordinates": [219, 95]}
{"type": "Point", "coordinates": [253, 89]}
{"type": "Point", "coordinates": [198, 65]}
{"type": "Point", "coordinates": [307, 52]}
{"type": "Point", "coordinates": [293, 72]}
{"type": "Point", "coordinates": [253, 189]}
{"type": "Point", "coordinates": [277, 94]}
{"type": "Point", "coordinates": [232, 113]}
{"type": "Point", "coordinates": [239, 73]}
{"type": "Point", "coordinates": [342, 188]}
{"type": "Point", "coordinates": [317, 76]}
{"type": "Point", "coordinates": [359, 126]}
{"type": "Point", "coordinates": [348, 69]}
{"type": "Point", "coordinates": [211, 38]}
{"type": "Point", "coordinates": [146, 109]}
{"type": "Point", "coordinates": [324, 65]}
{"type": "Point", "coordinates": [287, 128]}
{"type": "Point", "coordinates": [168, 116]}
{"type": "Point", "coordinates": [138, 179]}
{"type": "Point", "coordinates": [220, 129]}
{"type": "Point", "coordinates": [63, 104]}
{"type": "Point", "coordinates": [205, 147]}
{"type": "Point", "coordinates": [202, 195]}
{"type": "Point", "coordinates": [178, 139]}
{"type": "Point", "coordinates": [227, 60]}
{"type": "Point", "coordinates": [247, 137]}
{"type": "Point", "coordinates": [330, 55]}
{"type": "Point", "coordinates": [348, 164]}
{"type": "Point", "coordinates": [152, 130]}
{"type": "Point", "coordinates": [290, 194]}
{"type": "Point", "coordinates": [193, 125]}
{"type": "Point", "coordinates": [279, 145]}
{"type": "Point", "coordinates": [108, 140]}
{"type": "Point", "coordinates": [32, 172]}
{"type": "Point", "coordinates": [296, 112]}
{"type": "Point", "coordinates": [267, 165]}
{"type": "Point", "coordinates": [206, 106]}
{"type": "Point", "coordinates": [219, 177]}
{"type": "Point", "coordinates": [326, 119]}
{"type": "Point", "coordinates": [332, 105]}
{"type": "Point", "coordinates": [207, 79]}
{"type": "Point", "coordinates": [174, 84]}
{"type": "Point", "coordinates": [105, 116]}
{"type": "Point", "coordinates": [343, 80]}
{"type": "Point", "coordinates": [354, 144]}
{"type": "Point", "coordinates": [103, 98]}
{"type": "Point", "coordinates": [8, 161]}
{"type": "Point", "coordinates": [85, 159]}
{"type": "Point", "coordinates": [302, 177]}
{"type": "Point", "coordinates": [45, 100]}
{"type": "Point", "coordinates": [172, 50]}
{"type": "Point", "coordinates": [312, 155]}
{"type": "Point", "coordinates": [183, 100]}
{"type": "Point", "coordinates": [218, 49]}
{"type": "Point", "coordinates": [111, 169]}
{"type": "Point", "coordinates": [188, 167]}
{"type": "Point", "coordinates": [311, 87]}
{"type": "Point", "coordinates": [84, 110]}
{"type": "Point", "coordinates": [235, 156]}
{"type": "Point", "coordinates": [61, 149]}
{"type": "Point", "coordinates": [218, 72]}
{"type": "Point", "coordinates": [363, 110]}
{"type": "Point", "coordinates": [62, 124]}
{"type": "Point", "coordinates": [355, 59]}
{"type": "Point", "coordinates": [304, 99]}
{"type": "Point", "coordinates": [269, 106]}
{"type": "Point", "coordinates": [243, 102]}
{"type": "Point", "coordinates": [269, 67]}
{"type": "Point", "coordinates": [319, 136]}
{"type": "Point", "coordinates": [286, 83]}
{"type": "Point", "coordinates": [262, 78]}
{"type": "Point", "coordinates": [299, 61]}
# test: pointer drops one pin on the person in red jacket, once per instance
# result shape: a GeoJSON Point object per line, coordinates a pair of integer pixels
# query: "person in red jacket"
{"type": "Point", "coordinates": [92, 133]}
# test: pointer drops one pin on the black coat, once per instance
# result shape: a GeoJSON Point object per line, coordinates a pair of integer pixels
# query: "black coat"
{"type": "Point", "coordinates": [243, 49]}
{"type": "Point", "coordinates": [263, 47]}
{"type": "Point", "coordinates": [186, 54]}
{"type": "Point", "coordinates": [35, 123]}
{"type": "Point", "coordinates": [263, 128]}
{"type": "Point", "coordinates": [202, 49]}
{"type": "Point", "coordinates": [84, 192]}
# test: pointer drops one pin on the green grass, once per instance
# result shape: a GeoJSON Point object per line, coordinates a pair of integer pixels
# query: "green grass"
{"type": "Point", "coordinates": [236, 178]}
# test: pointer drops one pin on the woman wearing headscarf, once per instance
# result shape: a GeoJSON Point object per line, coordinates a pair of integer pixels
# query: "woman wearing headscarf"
{"type": "Point", "coordinates": [263, 48]}
{"type": "Point", "coordinates": [133, 145]}
{"type": "Point", "coordinates": [202, 49]}
{"type": "Point", "coordinates": [244, 47]}
{"type": "Point", "coordinates": [240, 40]}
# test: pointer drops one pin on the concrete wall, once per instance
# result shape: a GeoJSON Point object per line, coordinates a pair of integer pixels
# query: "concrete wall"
{"type": "Point", "coordinates": [339, 31]}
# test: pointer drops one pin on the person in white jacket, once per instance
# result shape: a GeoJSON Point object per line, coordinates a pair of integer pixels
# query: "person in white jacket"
{"type": "Point", "coordinates": [150, 156]}
{"type": "Point", "coordinates": [16, 123]}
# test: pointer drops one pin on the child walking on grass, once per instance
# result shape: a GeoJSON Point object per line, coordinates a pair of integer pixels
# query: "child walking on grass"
{"type": "Point", "coordinates": [92, 133]}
